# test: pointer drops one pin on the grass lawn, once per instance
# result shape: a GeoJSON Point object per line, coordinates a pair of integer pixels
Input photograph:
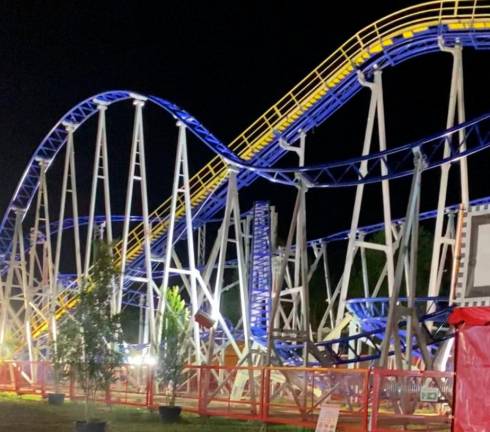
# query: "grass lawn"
{"type": "Point", "coordinates": [31, 414]}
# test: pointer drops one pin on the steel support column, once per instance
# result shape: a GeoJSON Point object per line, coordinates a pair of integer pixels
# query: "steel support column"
{"type": "Point", "coordinates": [375, 111]}
{"type": "Point", "coordinates": [456, 100]}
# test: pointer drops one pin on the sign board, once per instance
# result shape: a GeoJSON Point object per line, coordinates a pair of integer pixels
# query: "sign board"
{"type": "Point", "coordinates": [429, 394]}
{"type": "Point", "coordinates": [327, 420]}
{"type": "Point", "coordinates": [473, 276]}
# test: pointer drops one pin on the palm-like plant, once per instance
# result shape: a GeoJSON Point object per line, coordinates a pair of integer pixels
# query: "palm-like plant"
{"type": "Point", "coordinates": [173, 347]}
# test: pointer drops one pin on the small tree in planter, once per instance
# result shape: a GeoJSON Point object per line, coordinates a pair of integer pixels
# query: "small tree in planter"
{"type": "Point", "coordinates": [88, 339]}
{"type": "Point", "coordinates": [56, 398]}
{"type": "Point", "coordinates": [172, 354]}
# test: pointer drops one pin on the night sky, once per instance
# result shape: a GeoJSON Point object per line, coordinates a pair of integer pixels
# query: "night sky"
{"type": "Point", "coordinates": [226, 63]}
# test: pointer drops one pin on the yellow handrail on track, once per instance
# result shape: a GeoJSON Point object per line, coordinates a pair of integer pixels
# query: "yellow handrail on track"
{"type": "Point", "coordinates": [372, 39]}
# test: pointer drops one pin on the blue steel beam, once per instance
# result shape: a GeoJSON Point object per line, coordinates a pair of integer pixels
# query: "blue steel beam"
{"type": "Point", "coordinates": [397, 161]}
{"type": "Point", "coordinates": [370, 229]}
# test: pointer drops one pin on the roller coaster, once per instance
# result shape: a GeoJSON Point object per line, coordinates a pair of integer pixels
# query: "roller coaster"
{"type": "Point", "coordinates": [202, 240]}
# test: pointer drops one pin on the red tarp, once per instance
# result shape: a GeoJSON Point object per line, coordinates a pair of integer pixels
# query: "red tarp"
{"type": "Point", "coordinates": [470, 315]}
{"type": "Point", "coordinates": [472, 392]}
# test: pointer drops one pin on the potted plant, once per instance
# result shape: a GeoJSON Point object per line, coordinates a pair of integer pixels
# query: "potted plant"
{"type": "Point", "coordinates": [57, 397]}
{"type": "Point", "coordinates": [172, 352]}
{"type": "Point", "coordinates": [89, 337]}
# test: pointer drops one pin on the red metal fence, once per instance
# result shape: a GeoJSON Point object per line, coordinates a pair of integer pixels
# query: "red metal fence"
{"type": "Point", "coordinates": [411, 399]}
{"type": "Point", "coordinates": [388, 400]}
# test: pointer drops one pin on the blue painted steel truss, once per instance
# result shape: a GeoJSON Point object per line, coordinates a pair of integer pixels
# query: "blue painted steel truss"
{"type": "Point", "coordinates": [260, 274]}
{"type": "Point", "coordinates": [372, 315]}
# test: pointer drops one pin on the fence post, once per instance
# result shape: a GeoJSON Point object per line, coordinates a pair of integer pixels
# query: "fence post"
{"type": "Point", "coordinates": [264, 400]}
{"type": "Point", "coordinates": [365, 400]}
{"type": "Point", "coordinates": [202, 390]}
{"type": "Point", "coordinates": [126, 382]}
{"type": "Point", "coordinates": [149, 388]}
{"type": "Point", "coordinates": [72, 386]}
{"type": "Point", "coordinates": [16, 378]}
{"type": "Point", "coordinates": [375, 404]}
{"type": "Point", "coordinates": [108, 394]}
{"type": "Point", "coordinates": [42, 376]}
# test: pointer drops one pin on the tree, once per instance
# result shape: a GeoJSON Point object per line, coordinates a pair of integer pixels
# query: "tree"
{"type": "Point", "coordinates": [88, 339]}
{"type": "Point", "coordinates": [173, 347]}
